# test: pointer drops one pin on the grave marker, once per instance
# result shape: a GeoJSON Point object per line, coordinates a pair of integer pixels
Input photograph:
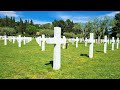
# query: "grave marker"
{"type": "Point", "coordinates": [24, 40]}
{"type": "Point", "coordinates": [91, 41]}
{"type": "Point", "coordinates": [5, 40]}
{"type": "Point", "coordinates": [63, 46]}
{"type": "Point", "coordinates": [76, 41]}
{"type": "Point", "coordinates": [113, 42]}
{"type": "Point", "coordinates": [57, 41]}
{"type": "Point", "coordinates": [117, 43]}
{"type": "Point", "coordinates": [39, 40]}
{"type": "Point", "coordinates": [19, 41]}
{"type": "Point", "coordinates": [86, 41]}
{"type": "Point", "coordinates": [43, 42]}
{"type": "Point", "coordinates": [105, 44]}
{"type": "Point", "coordinates": [13, 39]}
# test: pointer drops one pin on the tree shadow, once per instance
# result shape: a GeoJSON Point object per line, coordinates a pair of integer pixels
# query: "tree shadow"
{"type": "Point", "coordinates": [84, 55]}
{"type": "Point", "coordinates": [50, 63]}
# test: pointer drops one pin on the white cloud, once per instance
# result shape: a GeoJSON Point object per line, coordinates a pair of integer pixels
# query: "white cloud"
{"type": "Point", "coordinates": [81, 17]}
{"type": "Point", "coordinates": [64, 17]}
{"type": "Point", "coordinates": [9, 13]}
{"type": "Point", "coordinates": [40, 22]}
{"type": "Point", "coordinates": [112, 14]}
{"type": "Point", "coordinates": [75, 19]}
{"type": "Point", "coordinates": [78, 21]}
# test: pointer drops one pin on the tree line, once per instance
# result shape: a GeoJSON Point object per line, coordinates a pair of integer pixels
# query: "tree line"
{"type": "Point", "coordinates": [98, 26]}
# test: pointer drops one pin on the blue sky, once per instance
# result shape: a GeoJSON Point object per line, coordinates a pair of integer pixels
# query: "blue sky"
{"type": "Point", "coordinates": [41, 17]}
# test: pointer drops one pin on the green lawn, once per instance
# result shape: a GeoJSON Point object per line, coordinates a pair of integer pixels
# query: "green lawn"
{"type": "Point", "coordinates": [29, 62]}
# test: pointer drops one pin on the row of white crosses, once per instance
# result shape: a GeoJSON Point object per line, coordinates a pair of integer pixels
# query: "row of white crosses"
{"type": "Point", "coordinates": [19, 39]}
{"type": "Point", "coordinates": [112, 41]}
{"type": "Point", "coordinates": [24, 39]}
{"type": "Point", "coordinates": [72, 40]}
{"type": "Point", "coordinates": [86, 40]}
{"type": "Point", "coordinates": [42, 40]}
{"type": "Point", "coordinates": [57, 41]}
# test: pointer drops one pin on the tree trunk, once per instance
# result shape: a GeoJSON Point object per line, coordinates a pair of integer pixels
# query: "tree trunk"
{"type": "Point", "coordinates": [98, 42]}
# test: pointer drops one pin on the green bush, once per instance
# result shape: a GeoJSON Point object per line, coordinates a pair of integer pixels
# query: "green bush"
{"type": "Point", "coordinates": [7, 31]}
{"type": "Point", "coordinates": [69, 35]}
{"type": "Point", "coordinates": [46, 32]}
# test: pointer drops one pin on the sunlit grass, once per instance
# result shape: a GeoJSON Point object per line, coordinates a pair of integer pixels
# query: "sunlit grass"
{"type": "Point", "coordinates": [29, 62]}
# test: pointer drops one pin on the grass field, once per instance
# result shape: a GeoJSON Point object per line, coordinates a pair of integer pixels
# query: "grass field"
{"type": "Point", "coordinates": [29, 62]}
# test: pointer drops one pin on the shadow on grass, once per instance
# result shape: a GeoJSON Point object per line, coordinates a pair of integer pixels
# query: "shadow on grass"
{"type": "Point", "coordinates": [109, 49]}
{"type": "Point", "coordinates": [84, 55]}
{"type": "Point", "coordinates": [50, 63]}
{"type": "Point", "coordinates": [99, 51]}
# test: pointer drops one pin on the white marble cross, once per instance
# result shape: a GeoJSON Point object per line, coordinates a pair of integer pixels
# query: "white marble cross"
{"type": "Point", "coordinates": [91, 41]}
{"type": "Point", "coordinates": [43, 39]}
{"type": "Point", "coordinates": [63, 46]}
{"type": "Point", "coordinates": [57, 41]}
{"type": "Point", "coordinates": [10, 38]}
{"type": "Point", "coordinates": [24, 40]}
{"type": "Point", "coordinates": [39, 40]}
{"type": "Point", "coordinates": [108, 41]}
{"type": "Point", "coordinates": [80, 40]}
{"type": "Point", "coordinates": [5, 40]}
{"type": "Point", "coordinates": [72, 41]}
{"type": "Point", "coordinates": [117, 43]}
{"type": "Point", "coordinates": [105, 44]}
{"type": "Point", "coordinates": [13, 39]}
{"type": "Point", "coordinates": [19, 41]}
{"type": "Point", "coordinates": [77, 40]}
{"type": "Point", "coordinates": [113, 42]}
{"type": "Point", "coordinates": [86, 41]}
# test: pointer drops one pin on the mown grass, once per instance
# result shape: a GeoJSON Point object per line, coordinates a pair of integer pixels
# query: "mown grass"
{"type": "Point", "coordinates": [29, 62]}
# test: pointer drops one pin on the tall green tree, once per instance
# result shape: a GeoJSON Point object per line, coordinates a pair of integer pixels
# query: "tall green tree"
{"type": "Point", "coordinates": [31, 22]}
{"type": "Point", "coordinates": [88, 29]}
{"type": "Point", "coordinates": [21, 26]}
{"type": "Point", "coordinates": [69, 25]}
{"type": "Point", "coordinates": [78, 29]}
{"type": "Point", "coordinates": [59, 23]}
{"type": "Point", "coordinates": [116, 26]}
{"type": "Point", "coordinates": [31, 30]}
